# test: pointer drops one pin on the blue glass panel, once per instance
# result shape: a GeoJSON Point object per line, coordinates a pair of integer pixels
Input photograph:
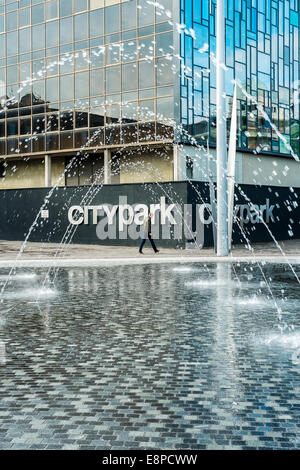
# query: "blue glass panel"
{"type": "Point", "coordinates": [294, 18]}
{"type": "Point", "coordinates": [262, 52]}
{"type": "Point", "coordinates": [205, 9]}
{"type": "Point", "coordinates": [197, 10]}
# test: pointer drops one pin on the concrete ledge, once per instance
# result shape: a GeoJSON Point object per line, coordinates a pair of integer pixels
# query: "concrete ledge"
{"type": "Point", "coordinates": [13, 253]}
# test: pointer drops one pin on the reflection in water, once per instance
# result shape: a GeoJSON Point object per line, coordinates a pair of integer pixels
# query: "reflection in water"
{"type": "Point", "coordinates": [46, 317]}
{"type": "Point", "coordinates": [18, 277]}
{"type": "Point", "coordinates": [210, 283]}
{"type": "Point", "coordinates": [250, 302]}
{"type": "Point", "coordinates": [34, 292]}
{"type": "Point", "coordinates": [296, 357]}
{"type": "Point", "coordinates": [225, 371]}
{"type": "Point", "coordinates": [183, 269]}
{"type": "Point", "coordinates": [288, 340]}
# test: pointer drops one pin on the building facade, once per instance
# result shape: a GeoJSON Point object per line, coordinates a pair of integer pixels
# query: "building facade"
{"type": "Point", "coordinates": [121, 91]}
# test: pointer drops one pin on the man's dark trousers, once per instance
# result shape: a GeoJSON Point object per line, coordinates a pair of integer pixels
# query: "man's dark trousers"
{"type": "Point", "coordinates": [151, 241]}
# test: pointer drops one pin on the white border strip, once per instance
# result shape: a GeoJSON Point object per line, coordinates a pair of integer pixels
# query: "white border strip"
{"type": "Point", "coordinates": [64, 263]}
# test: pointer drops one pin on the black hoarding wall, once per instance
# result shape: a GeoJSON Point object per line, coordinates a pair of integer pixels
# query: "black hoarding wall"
{"type": "Point", "coordinates": [279, 206]}
{"type": "Point", "coordinates": [19, 208]}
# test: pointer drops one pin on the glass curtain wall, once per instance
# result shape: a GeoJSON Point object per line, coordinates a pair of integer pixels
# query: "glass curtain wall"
{"type": "Point", "coordinates": [262, 54]}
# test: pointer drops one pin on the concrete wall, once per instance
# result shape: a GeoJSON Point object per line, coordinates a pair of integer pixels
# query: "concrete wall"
{"type": "Point", "coordinates": [138, 166]}
{"type": "Point", "coordinates": [31, 173]}
{"type": "Point", "coordinates": [268, 170]}
{"type": "Point", "coordinates": [23, 174]}
{"type": "Point", "coordinates": [250, 169]}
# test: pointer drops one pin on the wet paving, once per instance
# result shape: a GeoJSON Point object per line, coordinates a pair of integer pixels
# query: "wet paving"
{"type": "Point", "coordinates": [151, 356]}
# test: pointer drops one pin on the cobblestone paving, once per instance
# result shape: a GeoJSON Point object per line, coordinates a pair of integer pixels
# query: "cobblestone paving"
{"type": "Point", "coordinates": [151, 357]}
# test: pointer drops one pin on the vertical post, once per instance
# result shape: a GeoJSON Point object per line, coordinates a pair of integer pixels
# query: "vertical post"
{"type": "Point", "coordinates": [212, 194]}
{"type": "Point", "coordinates": [107, 166]}
{"type": "Point", "coordinates": [176, 163]}
{"type": "Point", "coordinates": [222, 211]}
{"type": "Point", "coordinates": [47, 171]}
{"type": "Point", "coordinates": [231, 167]}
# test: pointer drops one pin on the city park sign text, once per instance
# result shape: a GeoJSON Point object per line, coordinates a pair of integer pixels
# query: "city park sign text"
{"type": "Point", "coordinates": [169, 221]}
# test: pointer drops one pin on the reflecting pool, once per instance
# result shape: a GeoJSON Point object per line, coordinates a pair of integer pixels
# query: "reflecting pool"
{"type": "Point", "coordinates": [157, 356]}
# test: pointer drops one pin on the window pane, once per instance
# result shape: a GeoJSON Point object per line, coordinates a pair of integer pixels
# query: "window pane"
{"type": "Point", "coordinates": [97, 116]}
{"type": "Point", "coordinates": [129, 112]}
{"type": "Point", "coordinates": [146, 74]}
{"type": "Point", "coordinates": [12, 43]}
{"type": "Point", "coordinates": [66, 141]}
{"type": "Point", "coordinates": [66, 63]}
{"type": "Point", "coordinates": [97, 57]}
{"type": "Point", "coordinates": [146, 47]}
{"type": "Point", "coordinates": [25, 41]}
{"type": "Point", "coordinates": [129, 77]}
{"type": "Point", "coordinates": [96, 82]}
{"type": "Point", "coordinates": [38, 124]}
{"type": "Point", "coordinates": [80, 5]}
{"type": "Point", "coordinates": [112, 54]}
{"type": "Point", "coordinates": [38, 37]}
{"type": "Point", "coordinates": [112, 114]}
{"type": "Point", "coordinates": [147, 110]}
{"type": "Point", "coordinates": [25, 126]}
{"type": "Point", "coordinates": [81, 85]}
{"type": "Point", "coordinates": [38, 90]}
{"type": "Point", "coordinates": [52, 33]}
{"type": "Point", "coordinates": [24, 17]}
{"type": "Point", "coordinates": [25, 96]}
{"type": "Point", "coordinates": [165, 108]}
{"type": "Point", "coordinates": [52, 89]}
{"type": "Point", "coordinates": [66, 30]}
{"type": "Point", "coordinates": [12, 127]}
{"type": "Point", "coordinates": [112, 19]}
{"type": "Point", "coordinates": [65, 7]}
{"type": "Point", "coordinates": [129, 15]}
{"type": "Point", "coordinates": [24, 71]}
{"type": "Point", "coordinates": [66, 120]}
{"type": "Point", "coordinates": [164, 42]}
{"type": "Point", "coordinates": [82, 61]}
{"type": "Point", "coordinates": [146, 13]}
{"type": "Point", "coordinates": [11, 21]}
{"type": "Point", "coordinates": [113, 79]}
{"type": "Point", "coordinates": [96, 23]}
{"type": "Point", "coordinates": [164, 72]}
{"type": "Point", "coordinates": [51, 10]}
{"type": "Point", "coordinates": [129, 51]}
{"type": "Point", "coordinates": [25, 145]}
{"type": "Point", "coordinates": [80, 27]}
{"type": "Point", "coordinates": [66, 87]}
{"type": "Point", "coordinates": [2, 45]}
{"type": "Point", "coordinates": [164, 13]}
{"type": "Point", "coordinates": [12, 74]}
{"type": "Point", "coordinates": [52, 142]}
{"type": "Point", "coordinates": [37, 14]}
{"type": "Point", "coordinates": [52, 122]}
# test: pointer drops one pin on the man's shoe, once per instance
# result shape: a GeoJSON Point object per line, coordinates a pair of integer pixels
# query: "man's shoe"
{"type": "Point", "coordinates": [157, 251]}
{"type": "Point", "coordinates": [141, 253]}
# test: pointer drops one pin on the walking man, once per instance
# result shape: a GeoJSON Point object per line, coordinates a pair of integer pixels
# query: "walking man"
{"type": "Point", "coordinates": [147, 233]}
